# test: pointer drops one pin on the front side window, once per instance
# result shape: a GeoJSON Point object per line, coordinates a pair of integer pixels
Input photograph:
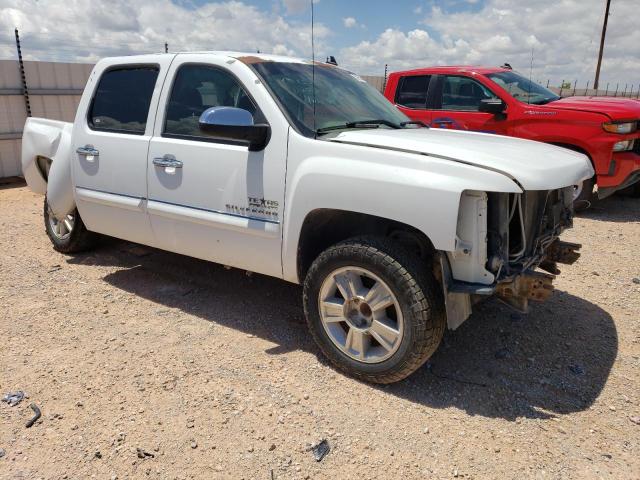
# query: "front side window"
{"type": "Point", "coordinates": [122, 99]}
{"type": "Point", "coordinates": [412, 91]}
{"type": "Point", "coordinates": [523, 89]}
{"type": "Point", "coordinates": [197, 88]}
{"type": "Point", "coordinates": [463, 94]}
{"type": "Point", "coordinates": [341, 97]}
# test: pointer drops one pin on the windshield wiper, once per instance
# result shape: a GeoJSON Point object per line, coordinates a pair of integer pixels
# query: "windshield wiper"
{"type": "Point", "coordinates": [414, 122]}
{"type": "Point", "coordinates": [545, 101]}
{"type": "Point", "coordinates": [359, 124]}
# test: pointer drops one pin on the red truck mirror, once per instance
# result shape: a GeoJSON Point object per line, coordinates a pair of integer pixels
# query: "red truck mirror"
{"type": "Point", "coordinates": [492, 105]}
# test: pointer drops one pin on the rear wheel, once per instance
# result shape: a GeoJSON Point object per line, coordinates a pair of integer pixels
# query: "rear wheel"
{"type": "Point", "coordinates": [69, 234]}
{"type": "Point", "coordinates": [374, 309]}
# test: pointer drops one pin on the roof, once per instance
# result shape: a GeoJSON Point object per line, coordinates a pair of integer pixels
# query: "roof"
{"type": "Point", "coordinates": [225, 54]}
{"type": "Point", "coordinates": [453, 68]}
{"type": "Point", "coordinates": [262, 56]}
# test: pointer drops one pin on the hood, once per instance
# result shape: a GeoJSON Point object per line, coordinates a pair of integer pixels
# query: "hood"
{"type": "Point", "coordinates": [533, 165]}
{"type": "Point", "coordinates": [614, 108]}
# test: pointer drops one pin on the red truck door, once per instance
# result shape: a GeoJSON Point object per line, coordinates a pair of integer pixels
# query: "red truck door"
{"type": "Point", "coordinates": [456, 104]}
{"type": "Point", "coordinates": [411, 97]}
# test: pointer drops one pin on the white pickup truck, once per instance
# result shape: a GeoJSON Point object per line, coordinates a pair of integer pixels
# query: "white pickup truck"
{"type": "Point", "coordinates": [306, 173]}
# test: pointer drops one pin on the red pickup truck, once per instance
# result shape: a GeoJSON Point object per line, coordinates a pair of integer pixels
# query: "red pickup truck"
{"type": "Point", "coordinates": [500, 101]}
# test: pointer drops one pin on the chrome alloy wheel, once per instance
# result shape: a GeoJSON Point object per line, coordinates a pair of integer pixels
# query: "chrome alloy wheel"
{"type": "Point", "coordinates": [360, 314]}
{"type": "Point", "coordinates": [61, 228]}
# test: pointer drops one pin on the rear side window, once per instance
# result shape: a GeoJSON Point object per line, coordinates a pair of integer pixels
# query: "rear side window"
{"type": "Point", "coordinates": [121, 102]}
{"type": "Point", "coordinates": [412, 91]}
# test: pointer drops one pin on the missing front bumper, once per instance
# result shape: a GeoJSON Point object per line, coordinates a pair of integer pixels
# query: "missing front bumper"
{"type": "Point", "coordinates": [528, 286]}
{"type": "Point", "coordinates": [538, 286]}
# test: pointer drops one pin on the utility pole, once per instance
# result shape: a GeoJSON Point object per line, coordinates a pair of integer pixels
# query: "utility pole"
{"type": "Point", "coordinates": [604, 33]}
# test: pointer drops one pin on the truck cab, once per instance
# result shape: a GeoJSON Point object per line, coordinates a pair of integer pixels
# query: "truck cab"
{"type": "Point", "coordinates": [501, 101]}
{"type": "Point", "coordinates": [304, 172]}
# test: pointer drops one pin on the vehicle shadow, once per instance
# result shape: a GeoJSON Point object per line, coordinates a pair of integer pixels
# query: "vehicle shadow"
{"type": "Point", "coordinates": [7, 183]}
{"type": "Point", "coordinates": [555, 360]}
{"type": "Point", "coordinates": [617, 208]}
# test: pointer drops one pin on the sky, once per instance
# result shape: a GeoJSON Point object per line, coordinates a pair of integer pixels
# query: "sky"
{"type": "Point", "coordinates": [548, 39]}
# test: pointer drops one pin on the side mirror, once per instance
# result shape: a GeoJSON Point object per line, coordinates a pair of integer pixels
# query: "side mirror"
{"type": "Point", "coordinates": [232, 123]}
{"type": "Point", "coordinates": [494, 106]}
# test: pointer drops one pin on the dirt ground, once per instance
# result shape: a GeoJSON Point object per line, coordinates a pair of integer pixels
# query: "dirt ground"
{"type": "Point", "coordinates": [209, 373]}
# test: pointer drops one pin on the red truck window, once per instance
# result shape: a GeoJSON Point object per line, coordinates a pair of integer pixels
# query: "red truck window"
{"type": "Point", "coordinates": [412, 91]}
{"type": "Point", "coordinates": [463, 94]}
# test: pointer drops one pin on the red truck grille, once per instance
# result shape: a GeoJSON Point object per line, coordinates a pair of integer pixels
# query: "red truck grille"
{"type": "Point", "coordinates": [636, 146]}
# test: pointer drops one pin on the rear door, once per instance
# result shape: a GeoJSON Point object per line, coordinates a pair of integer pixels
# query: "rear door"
{"type": "Point", "coordinates": [411, 97]}
{"type": "Point", "coordinates": [111, 136]}
{"type": "Point", "coordinates": [455, 104]}
{"type": "Point", "coordinates": [220, 202]}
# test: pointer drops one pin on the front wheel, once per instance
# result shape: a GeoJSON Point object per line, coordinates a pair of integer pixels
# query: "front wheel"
{"type": "Point", "coordinates": [374, 309]}
{"type": "Point", "coordinates": [583, 194]}
{"type": "Point", "coordinates": [68, 235]}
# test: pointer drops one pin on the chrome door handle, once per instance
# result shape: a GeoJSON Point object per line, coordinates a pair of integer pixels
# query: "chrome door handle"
{"type": "Point", "coordinates": [167, 161]}
{"type": "Point", "coordinates": [89, 152]}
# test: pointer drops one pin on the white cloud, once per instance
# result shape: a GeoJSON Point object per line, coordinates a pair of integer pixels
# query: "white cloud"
{"type": "Point", "coordinates": [295, 7]}
{"type": "Point", "coordinates": [85, 30]}
{"type": "Point", "coordinates": [564, 36]}
{"type": "Point", "coordinates": [349, 22]}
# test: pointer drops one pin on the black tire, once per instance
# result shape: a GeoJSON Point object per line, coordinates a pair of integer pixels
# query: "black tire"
{"type": "Point", "coordinates": [80, 239]}
{"type": "Point", "coordinates": [586, 197]}
{"type": "Point", "coordinates": [418, 293]}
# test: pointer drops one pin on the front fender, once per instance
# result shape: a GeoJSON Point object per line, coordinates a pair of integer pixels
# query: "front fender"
{"type": "Point", "coordinates": [419, 191]}
{"type": "Point", "coordinates": [49, 139]}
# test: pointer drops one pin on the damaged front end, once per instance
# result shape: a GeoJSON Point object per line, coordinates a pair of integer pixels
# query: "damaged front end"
{"type": "Point", "coordinates": [523, 234]}
{"type": "Point", "coordinates": [515, 234]}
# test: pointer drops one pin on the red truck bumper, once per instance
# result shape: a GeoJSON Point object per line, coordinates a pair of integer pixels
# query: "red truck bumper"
{"type": "Point", "coordinates": [625, 172]}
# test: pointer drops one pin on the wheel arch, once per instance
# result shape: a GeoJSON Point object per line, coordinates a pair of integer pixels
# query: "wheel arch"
{"type": "Point", "coordinates": [324, 227]}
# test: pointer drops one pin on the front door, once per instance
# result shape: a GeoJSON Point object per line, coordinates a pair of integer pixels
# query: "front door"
{"type": "Point", "coordinates": [456, 105]}
{"type": "Point", "coordinates": [209, 198]}
{"type": "Point", "coordinates": [111, 137]}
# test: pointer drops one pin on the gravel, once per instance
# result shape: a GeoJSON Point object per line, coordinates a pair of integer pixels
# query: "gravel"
{"type": "Point", "coordinates": [213, 371]}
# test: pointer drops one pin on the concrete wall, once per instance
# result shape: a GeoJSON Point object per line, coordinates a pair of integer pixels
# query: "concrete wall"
{"type": "Point", "coordinates": [54, 92]}
{"type": "Point", "coordinates": [375, 81]}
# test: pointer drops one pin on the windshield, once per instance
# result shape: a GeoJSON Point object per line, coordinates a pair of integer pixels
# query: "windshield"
{"type": "Point", "coordinates": [341, 98]}
{"type": "Point", "coordinates": [523, 89]}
